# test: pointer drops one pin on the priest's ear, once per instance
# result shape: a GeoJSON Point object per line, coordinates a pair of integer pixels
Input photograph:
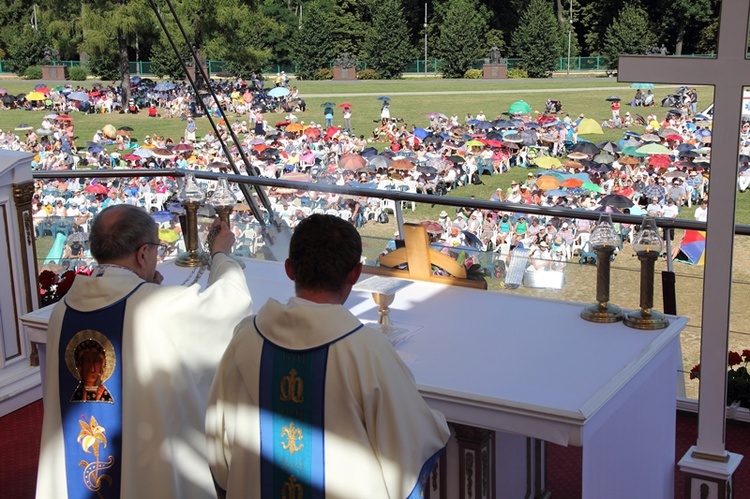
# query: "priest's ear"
{"type": "Point", "coordinates": [288, 269]}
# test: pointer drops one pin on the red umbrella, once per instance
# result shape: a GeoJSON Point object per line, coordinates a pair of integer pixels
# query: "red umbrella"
{"type": "Point", "coordinates": [352, 162]}
{"type": "Point", "coordinates": [64, 117]}
{"type": "Point", "coordinates": [659, 161]}
{"type": "Point", "coordinates": [331, 131]}
{"type": "Point", "coordinates": [674, 137]}
{"type": "Point", "coordinates": [131, 157]}
{"type": "Point", "coordinates": [182, 148]}
{"type": "Point", "coordinates": [96, 189]}
{"type": "Point", "coordinates": [345, 105]}
{"type": "Point", "coordinates": [572, 182]}
{"type": "Point", "coordinates": [494, 143]}
{"type": "Point", "coordinates": [312, 132]}
{"type": "Point", "coordinates": [402, 164]}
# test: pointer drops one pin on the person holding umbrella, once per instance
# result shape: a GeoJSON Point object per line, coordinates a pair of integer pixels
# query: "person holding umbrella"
{"type": "Point", "coordinates": [328, 113]}
{"type": "Point", "coordinates": [385, 112]}
{"type": "Point", "coordinates": [615, 107]}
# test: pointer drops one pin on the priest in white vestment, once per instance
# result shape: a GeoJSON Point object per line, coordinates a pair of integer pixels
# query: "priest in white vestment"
{"type": "Point", "coordinates": [129, 368]}
{"type": "Point", "coordinates": [308, 402]}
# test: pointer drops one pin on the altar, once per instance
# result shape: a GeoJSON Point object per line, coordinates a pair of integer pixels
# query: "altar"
{"type": "Point", "coordinates": [526, 368]}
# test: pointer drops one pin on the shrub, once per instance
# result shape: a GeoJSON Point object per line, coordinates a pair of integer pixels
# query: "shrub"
{"type": "Point", "coordinates": [324, 74]}
{"type": "Point", "coordinates": [33, 73]}
{"type": "Point", "coordinates": [77, 73]}
{"type": "Point", "coordinates": [473, 74]}
{"type": "Point", "coordinates": [517, 73]}
{"type": "Point", "coordinates": [368, 74]}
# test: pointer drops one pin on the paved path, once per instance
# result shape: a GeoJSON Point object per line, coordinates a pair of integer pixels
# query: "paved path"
{"type": "Point", "coordinates": [489, 91]}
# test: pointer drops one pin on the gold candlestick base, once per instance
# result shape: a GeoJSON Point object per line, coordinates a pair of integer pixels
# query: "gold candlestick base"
{"type": "Point", "coordinates": [603, 313]}
{"type": "Point", "coordinates": [646, 320]}
{"type": "Point", "coordinates": [190, 259]}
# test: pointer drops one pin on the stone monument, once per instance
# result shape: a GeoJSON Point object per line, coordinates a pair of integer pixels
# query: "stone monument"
{"type": "Point", "coordinates": [52, 69]}
{"type": "Point", "coordinates": [495, 67]}
{"type": "Point", "coordinates": [344, 67]}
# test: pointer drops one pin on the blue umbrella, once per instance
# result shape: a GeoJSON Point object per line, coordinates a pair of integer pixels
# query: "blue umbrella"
{"type": "Point", "coordinates": [484, 125]}
{"type": "Point", "coordinates": [164, 86]}
{"type": "Point", "coordinates": [162, 216]}
{"type": "Point", "coordinates": [472, 239]}
{"type": "Point", "coordinates": [96, 148]}
{"type": "Point", "coordinates": [278, 92]}
{"type": "Point", "coordinates": [558, 192]}
{"type": "Point", "coordinates": [79, 96]}
{"type": "Point", "coordinates": [421, 133]}
{"type": "Point", "coordinates": [384, 99]}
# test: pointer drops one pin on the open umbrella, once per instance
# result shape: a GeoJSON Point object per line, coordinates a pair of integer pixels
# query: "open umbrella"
{"type": "Point", "coordinates": [328, 104]}
{"type": "Point", "coordinates": [95, 189]}
{"type": "Point", "coordinates": [590, 186]}
{"type": "Point", "coordinates": [163, 153]}
{"type": "Point", "coordinates": [164, 86]}
{"type": "Point", "coordinates": [144, 152]}
{"type": "Point", "coordinates": [519, 107]}
{"type": "Point", "coordinates": [78, 96]}
{"type": "Point", "coordinates": [642, 86]}
{"type": "Point", "coordinates": [294, 127]}
{"type": "Point", "coordinates": [312, 132]}
{"type": "Point", "coordinates": [612, 98]}
{"type": "Point", "coordinates": [44, 132]}
{"type": "Point", "coordinates": [8, 99]}
{"type": "Point", "coordinates": [659, 161]}
{"type": "Point", "coordinates": [131, 157]}
{"type": "Point", "coordinates": [546, 161]}
{"type": "Point", "coordinates": [604, 157]}
{"type": "Point", "coordinates": [436, 115]}
{"type": "Point", "coordinates": [183, 148]}
{"type": "Point", "coordinates": [616, 201]}
{"type": "Point", "coordinates": [547, 182]}
{"type": "Point", "coordinates": [653, 149]}
{"type": "Point", "coordinates": [24, 127]}
{"type": "Point", "coordinates": [589, 126]}
{"type": "Point", "coordinates": [64, 117]}
{"type": "Point", "coordinates": [402, 164]}
{"type": "Point", "coordinates": [585, 147]}
{"type": "Point", "coordinates": [572, 182]}
{"type": "Point", "coordinates": [384, 99]}
{"type": "Point", "coordinates": [35, 96]}
{"type": "Point", "coordinates": [278, 92]}
{"type": "Point", "coordinates": [345, 105]}
{"type": "Point", "coordinates": [168, 235]}
{"type": "Point", "coordinates": [352, 162]}
{"type": "Point", "coordinates": [78, 237]}
{"type": "Point", "coordinates": [379, 161]}
{"type": "Point", "coordinates": [126, 128]}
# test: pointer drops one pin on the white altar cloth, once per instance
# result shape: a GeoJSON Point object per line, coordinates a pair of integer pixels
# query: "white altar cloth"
{"type": "Point", "coordinates": [532, 367]}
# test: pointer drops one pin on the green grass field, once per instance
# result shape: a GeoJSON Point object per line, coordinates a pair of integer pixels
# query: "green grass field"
{"type": "Point", "coordinates": [411, 99]}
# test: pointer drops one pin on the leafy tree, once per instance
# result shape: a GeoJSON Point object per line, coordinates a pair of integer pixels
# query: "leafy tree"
{"type": "Point", "coordinates": [286, 16]}
{"type": "Point", "coordinates": [386, 47]}
{"type": "Point", "coordinates": [239, 22]}
{"type": "Point", "coordinates": [538, 39]}
{"type": "Point", "coordinates": [109, 29]}
{"type": "Point", "coordinates": [680, 18]}
{"type": "Point", "coordinates": [25, 46]}
{"type": "Point", "coordinates": [461, 41]}
{"type": "Point", "coordinates": [311, 48]}
{"type": "Point", "coordinates": [630, 33]}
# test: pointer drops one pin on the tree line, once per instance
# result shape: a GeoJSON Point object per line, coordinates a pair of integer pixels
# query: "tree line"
{"type": "Point", "coordinates": [383, 34]}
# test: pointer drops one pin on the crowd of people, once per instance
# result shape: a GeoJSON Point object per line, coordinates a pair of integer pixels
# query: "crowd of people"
{"type": "Point", "coordinates": [655, 173]}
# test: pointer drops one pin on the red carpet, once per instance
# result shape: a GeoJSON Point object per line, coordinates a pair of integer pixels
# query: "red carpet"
{"type": "Point", "coordinates": [21, 431]}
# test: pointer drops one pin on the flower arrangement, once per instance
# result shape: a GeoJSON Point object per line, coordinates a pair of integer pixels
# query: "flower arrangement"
{"type": "Point", "coordinates": [738, 378]}
{"type": "Point", "coordinates": [52, 287]}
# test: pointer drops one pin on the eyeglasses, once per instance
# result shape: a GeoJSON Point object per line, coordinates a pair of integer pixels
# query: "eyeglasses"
{"type": "Point", "coordinates": [160, 247]}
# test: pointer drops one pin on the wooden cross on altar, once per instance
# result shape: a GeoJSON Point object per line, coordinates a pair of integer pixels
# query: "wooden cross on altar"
{"type": "Point", "coordinates": [728, 73]}
{"type": "Point", "coordinates": [420, 258]}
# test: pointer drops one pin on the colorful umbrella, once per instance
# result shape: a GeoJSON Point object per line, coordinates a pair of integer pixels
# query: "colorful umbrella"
{"type": "Point", "coordinates": [589, 126]}
{"type": "Point", "coordinates": [352, 162]}
{"type": "Point", "coordinates": [519, 107]}
{"type": "Point", "coordinates": [345, 105]}
{"type": "Point", "coordinates": [35, 96]}
{"type": "Point", "coordinates": [168, 235]}
{"type": "Point", "coordinates": [402, 164]}
{"type": "Point", "coordinates": [652, 149]}
{"type": "Point", "coordinates": [692, 247]}
{"type": "Point", "coordinates": [547, 182]}
{"type": "Point", "coordinates": [589, 186]}
{"type": "Point", "coordinates": [294, 127]}
{"type": "Point", "coordinates": [659, 161]}
{"type": "Point", "coordinates": [572, 182]}
{"type": "Point", "coordinates": [312, 132]}
{"type": "Point", "coordinates": [546, 161]}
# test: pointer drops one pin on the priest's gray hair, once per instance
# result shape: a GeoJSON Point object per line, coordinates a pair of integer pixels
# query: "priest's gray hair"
{"type": "Point", "coordinates": [118, 231]}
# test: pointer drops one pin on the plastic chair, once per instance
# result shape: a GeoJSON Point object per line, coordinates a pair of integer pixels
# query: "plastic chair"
{"type": "Point", "coordinates": [484, 165]}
